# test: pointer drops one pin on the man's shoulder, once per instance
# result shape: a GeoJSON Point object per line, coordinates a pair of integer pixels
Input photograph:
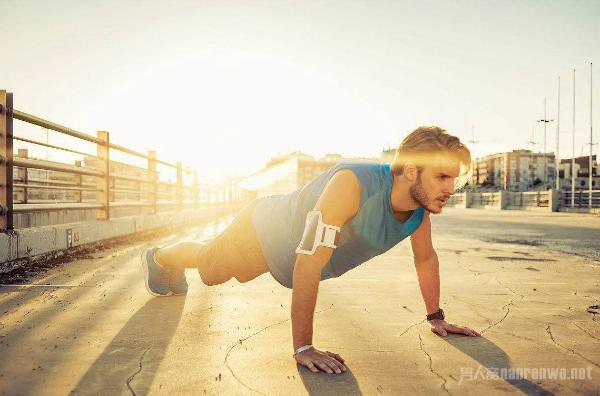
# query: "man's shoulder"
{"type": "Point", "coordinates": [345, 180]}
{"type": "Point", "coordinates": [362, 165]}
{"type": "Point", "coordinates": [364, 171]}
{"type": "Point", "coordinates": [367, 178]}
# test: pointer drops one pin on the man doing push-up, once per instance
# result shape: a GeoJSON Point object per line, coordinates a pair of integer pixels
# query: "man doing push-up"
{"type": "Point", "coordinates": [346, 216]}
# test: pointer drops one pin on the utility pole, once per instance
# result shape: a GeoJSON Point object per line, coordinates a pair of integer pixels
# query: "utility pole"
{"type": "Point", "coordinates": [573, 150]}
{"type": "Point", "coordinates": [545, 121]}
{"type": "Point", "coordinates": [556, 156]}
{"type": "Point", "coordinates": [591, 145]}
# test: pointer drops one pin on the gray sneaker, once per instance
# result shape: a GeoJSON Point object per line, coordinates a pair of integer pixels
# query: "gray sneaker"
{"type": "Point", "coordinates": [157, 277]}
{"type": "Point", "coordinates": [177, 281]}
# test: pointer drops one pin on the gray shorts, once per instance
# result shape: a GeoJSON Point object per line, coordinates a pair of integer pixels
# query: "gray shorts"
{"type": "Point", "coordinates": [235, 252]}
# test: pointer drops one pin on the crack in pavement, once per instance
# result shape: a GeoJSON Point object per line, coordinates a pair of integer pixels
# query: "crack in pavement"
{"type": "Point", "coordinates": [542, 302]}
{"type": "Point", "coordinates": [521, 337]}
{"type": "Point", "coordinates": [139, 370]}
{"type": "Point", "coordinates": [509, 289]}
{"type": "Point", "coordinates": [549, 331]}
{"type": "Point", "coordinates": [501, 320]}
{"type": "Point", "coordinates": [410, 327]}
{"type": "Point", "coordinates": [505, 306]}
{"type": "Point", "coordinates": [241, 340]}
{"type": "Point", "coordinates": [586, 331]}
{"type": "Point", "coordinates": [444, 380]}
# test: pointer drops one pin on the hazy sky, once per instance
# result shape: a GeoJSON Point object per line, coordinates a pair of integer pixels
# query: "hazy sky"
{"type": "Point", "coordinates": [224, 85]}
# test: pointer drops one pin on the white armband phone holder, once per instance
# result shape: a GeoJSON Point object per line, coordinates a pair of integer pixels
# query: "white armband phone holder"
{"type": "Point", "coordinates": [316, 233]}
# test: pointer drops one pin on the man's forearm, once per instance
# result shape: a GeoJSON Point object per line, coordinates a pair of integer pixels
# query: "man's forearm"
{"type": "Point", "coordinates": [429, 281]}
{"type": "Point", "coordinates": [304, 298]}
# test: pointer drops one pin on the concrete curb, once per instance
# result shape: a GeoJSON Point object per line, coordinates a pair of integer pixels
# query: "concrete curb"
{"type": "Point", "coordinates": [28, 244]}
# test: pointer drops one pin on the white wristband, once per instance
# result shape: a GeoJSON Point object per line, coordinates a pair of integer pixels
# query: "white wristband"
{"type": "Point", "coordinates": [302, 349]}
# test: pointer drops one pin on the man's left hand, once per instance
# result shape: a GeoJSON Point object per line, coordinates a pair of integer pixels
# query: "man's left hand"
{"type": "Point", "coordinates": [442, 328]}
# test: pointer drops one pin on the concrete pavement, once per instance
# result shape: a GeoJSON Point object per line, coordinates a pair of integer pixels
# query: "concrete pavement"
{"type": "Point", "coordinates": [89, 327]}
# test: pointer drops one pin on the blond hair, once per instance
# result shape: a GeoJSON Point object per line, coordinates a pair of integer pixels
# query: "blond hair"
{"type": "Point", "coordinates": [423, 143]}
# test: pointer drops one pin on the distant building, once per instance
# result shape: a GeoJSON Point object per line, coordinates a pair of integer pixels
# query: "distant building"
{"type": "Point", "coordinates": [582, 165]}
{"type": "Point", "coordinates": [517, 170]}
{"type": "Point", "coordinates": [286, 173]}
{"type": "Point", "coordinates": [307, 167]}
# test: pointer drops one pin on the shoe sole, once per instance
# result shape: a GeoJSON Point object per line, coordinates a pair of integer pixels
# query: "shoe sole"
{"type": "Point", "coordinates": [147, 276]}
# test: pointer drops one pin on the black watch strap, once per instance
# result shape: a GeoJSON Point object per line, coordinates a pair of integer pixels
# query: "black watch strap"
{"type": "Point", "coordinates": [439, 314]}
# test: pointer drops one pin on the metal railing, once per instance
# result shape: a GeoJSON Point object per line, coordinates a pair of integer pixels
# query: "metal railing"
{"type": "Point", "coordinates": [538, 199]}
{"type": "Point", "coordinates": [581, 199]}
{"type": "Point", "coordinates": [457, 200]}
{"type": "Point", "coordinates": [485, 199]}
{"type": "Point", "coordinates": [96, 183]}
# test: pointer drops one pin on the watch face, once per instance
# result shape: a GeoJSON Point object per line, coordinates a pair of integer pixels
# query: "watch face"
{"type": "Point", "coordinates": [442, 316]}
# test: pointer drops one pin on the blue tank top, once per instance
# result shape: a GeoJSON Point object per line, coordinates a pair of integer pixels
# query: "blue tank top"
{"type": "Point", "coordinates": [279, 222]}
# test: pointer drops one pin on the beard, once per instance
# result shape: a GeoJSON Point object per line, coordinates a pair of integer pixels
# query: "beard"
{"type": "Point", "coordinates": [417, 192]}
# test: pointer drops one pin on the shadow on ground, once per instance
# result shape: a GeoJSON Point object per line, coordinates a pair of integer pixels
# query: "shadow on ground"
{"type": "Point", "coordinates": [492, 357]}
{"type": "Point", "coordinates": [323, 384]}
{"type": "Point", "coordinates": [132, 358]}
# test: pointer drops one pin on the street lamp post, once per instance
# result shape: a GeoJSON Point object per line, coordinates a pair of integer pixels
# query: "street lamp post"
{"type": "Point", "coordinates": [545, 120]}
{"type": "Point", "coordinates": [591, 145]}
{"type": "Point", "coordinates": [573, 149]}
{"type": "Point", "coordinates": [556, 156]}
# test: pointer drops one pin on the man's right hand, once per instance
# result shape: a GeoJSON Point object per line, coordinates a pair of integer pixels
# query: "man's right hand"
{"type": "Point", "coordinates": [313, 359]}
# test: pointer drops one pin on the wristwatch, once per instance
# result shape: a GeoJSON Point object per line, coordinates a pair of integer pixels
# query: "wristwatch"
{"type": "Point", "coordinates": [439, 314]}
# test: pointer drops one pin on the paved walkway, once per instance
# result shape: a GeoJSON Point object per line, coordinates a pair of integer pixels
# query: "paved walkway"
{"type": "Point", "coordinates": [89, 327]}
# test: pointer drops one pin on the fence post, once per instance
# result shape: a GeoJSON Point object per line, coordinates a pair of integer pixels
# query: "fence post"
{"type": "Point", "coordinates": [468, 199]}
{"type": "Point", "coordinates": [553, 200]}
{"type": "Point", "coordinates": [521, 200]}
{"type": "Point", "coordinates": [6, 161]}
{"type": "Point", "coordinates": [180, 194]}
{"type": "Point", "coordinates": [103, 182]}
{"type": "Point", "coordinates": [503, 199]}
{"type": "Point", "coordinates": [152, 180]}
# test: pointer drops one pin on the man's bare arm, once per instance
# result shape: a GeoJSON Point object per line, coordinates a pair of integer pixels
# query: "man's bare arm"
{"type": "Point", "coordinates": [427, 265]}
{"type": "Point", "coordinates": [338, 203]}
{"type": "Point", "coordinates": [428, 273]}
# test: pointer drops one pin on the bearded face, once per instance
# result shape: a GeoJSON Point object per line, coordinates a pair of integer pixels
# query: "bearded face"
{"type": "Point", "coordinates": [433, 187]}
{"type": "Point", "coordinates": [418, 193]}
